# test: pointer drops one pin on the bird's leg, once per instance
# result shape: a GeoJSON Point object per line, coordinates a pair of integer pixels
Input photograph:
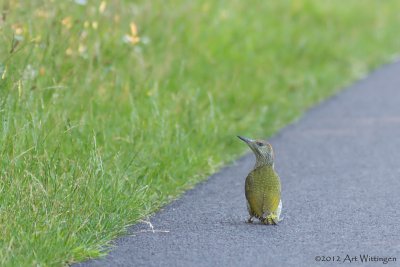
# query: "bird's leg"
{"type": "Point", "coordinates": [250, 220]}
{"type": "Point", "coordinates": [271, 219]}
{"type": "Point", "coordinates": [274, 220]}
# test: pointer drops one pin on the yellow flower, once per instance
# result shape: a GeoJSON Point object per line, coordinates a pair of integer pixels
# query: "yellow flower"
{"type": "Point", "coordinates": [67, 22]}
{"type": "Point", "coordinates": [95, 25]}
{"type": "Point", "coordinates": [69, 51]}
{"type": "Point", "coordinates": [132, 38]}
{"type": "Point", "coordinates": [102, 7]}
{"type": "Point", "coordinates": [81, 49]}
{"type": "Point", "coordinates": [17, 29]}
{"type": "Point", "coordinates": [42, 71]}
{"type": "Point", "coordinates": [134, 31]}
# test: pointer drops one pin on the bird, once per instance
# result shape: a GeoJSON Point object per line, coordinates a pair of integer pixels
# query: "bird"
{"type": "Point", "coordinates": [263, 185]}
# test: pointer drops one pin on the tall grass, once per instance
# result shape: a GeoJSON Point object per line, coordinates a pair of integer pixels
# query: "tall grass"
{"type": "Point", "coordinates": [110, 109]}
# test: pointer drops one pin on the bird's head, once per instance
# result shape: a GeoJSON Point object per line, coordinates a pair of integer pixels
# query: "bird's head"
{"type": "Point", "coordinates": [262, 150]}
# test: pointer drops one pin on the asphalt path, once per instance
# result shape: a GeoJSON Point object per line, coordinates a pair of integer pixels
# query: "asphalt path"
{"type": "Point", "coordinates": [340, 171]}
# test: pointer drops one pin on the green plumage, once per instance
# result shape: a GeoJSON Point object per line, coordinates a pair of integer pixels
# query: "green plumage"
{"type": "Point", "coordinates": [263, 186]}
{"type": "Point", "coordinates": [263, 191]}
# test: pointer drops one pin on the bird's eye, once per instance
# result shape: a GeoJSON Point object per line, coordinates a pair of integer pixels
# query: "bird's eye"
{"type": "Point", "coordinates": [260, 144]}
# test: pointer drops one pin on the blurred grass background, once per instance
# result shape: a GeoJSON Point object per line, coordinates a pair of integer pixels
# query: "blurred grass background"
{"type": "Point", "coordinates": [110, 109]}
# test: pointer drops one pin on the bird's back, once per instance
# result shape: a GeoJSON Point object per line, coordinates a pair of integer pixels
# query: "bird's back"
{"type": "Point", "coordinates": [263, 190]}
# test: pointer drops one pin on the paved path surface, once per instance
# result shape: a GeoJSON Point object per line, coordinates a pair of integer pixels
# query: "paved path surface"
{"type": "Point", "coordinates": [340, 170]}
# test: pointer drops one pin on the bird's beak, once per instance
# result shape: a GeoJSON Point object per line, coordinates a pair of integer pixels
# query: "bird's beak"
{"type": "Point", "coordinates": [249, 142]}
{"type": "Point", "coordinates": [244, 139]}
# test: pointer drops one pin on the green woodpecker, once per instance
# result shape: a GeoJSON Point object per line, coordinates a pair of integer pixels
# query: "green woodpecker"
{"type": "Point", "coordinates": [263, 186]}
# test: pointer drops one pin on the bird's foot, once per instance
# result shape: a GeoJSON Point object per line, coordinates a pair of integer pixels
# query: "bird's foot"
{"type": "Point", "coordinates": [271, 219]}
{"type": "Point", "coordinates": [250, 220]}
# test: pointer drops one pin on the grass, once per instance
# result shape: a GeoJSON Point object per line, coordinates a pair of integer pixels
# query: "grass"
{"type": "Point", "coordinates": [99, 129]}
